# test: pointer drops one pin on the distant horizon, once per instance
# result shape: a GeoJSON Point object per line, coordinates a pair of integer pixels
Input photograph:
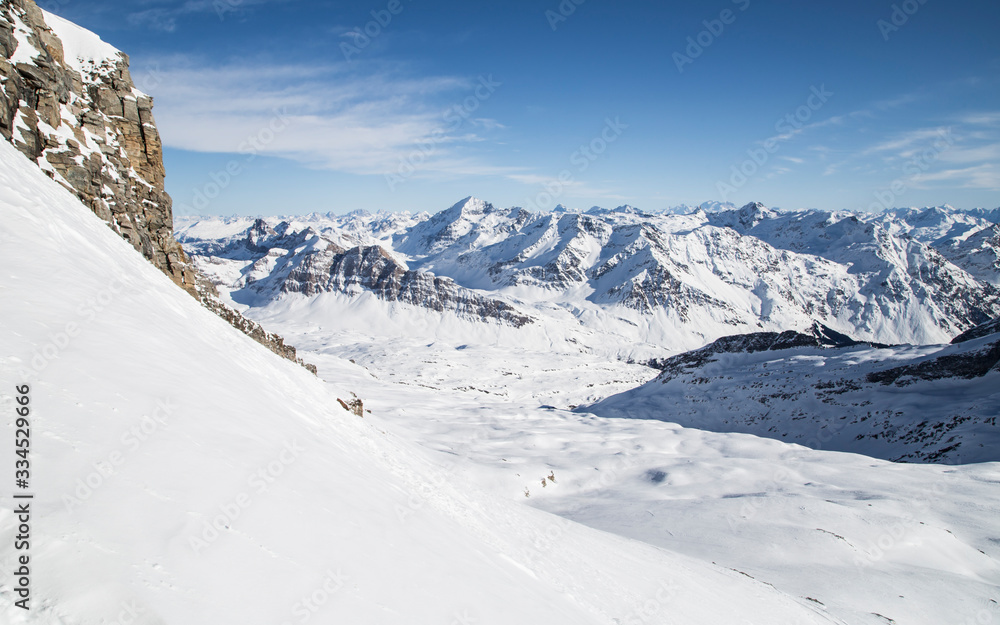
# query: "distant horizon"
{"type": "Point", "coordinates": [297, 106]}
{"type": "Point", "coordinates": [573, 209]}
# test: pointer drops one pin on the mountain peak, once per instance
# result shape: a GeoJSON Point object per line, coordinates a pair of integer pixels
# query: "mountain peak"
{"type": "Point", "coordinates": [471, 206]}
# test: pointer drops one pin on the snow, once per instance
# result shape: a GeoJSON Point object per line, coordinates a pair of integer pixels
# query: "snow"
{"type": "Point", "coordinates": [83, 50]}
{"type": "Point", "coordinates": [25, 52]}
{"type": "Point", "coordinates": [154, 419]}
{"type": "Point", "coordinates": [864, 539]}
{"type": "Point", "coordinates": [650, 285]}
{"type": "Point", "coordinates": [914, 543]}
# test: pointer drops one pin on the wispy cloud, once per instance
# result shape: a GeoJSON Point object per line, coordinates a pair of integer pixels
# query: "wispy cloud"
{"type": "Point", "coordinates": [904, 145]}
{"type": "Point", "coordinates": [986, 176]}
{"type": "Point", "coordinates": [164, 18]}
{"type": "Point", "coordinates": [362, 118]}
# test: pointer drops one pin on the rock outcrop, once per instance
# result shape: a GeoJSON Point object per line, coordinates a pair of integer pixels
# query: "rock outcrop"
{"type": "Point", "coordinates": [79, 116]}
{"type": "Point", "coordinates": [816, 336]}
{"type": "Point", "coordinates": [68, 103]}
{"type": "Point", "coordinates": [371, 268]}
{"type": "Point", "coordinates": [823, 390]}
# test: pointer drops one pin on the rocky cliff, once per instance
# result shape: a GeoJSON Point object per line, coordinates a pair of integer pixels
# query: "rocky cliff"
{"type": "Point", "coordinates": [68, 103]}
{"type": "Point", "coordinates": [288, 258]}
{"type": "Point", "coordinates": [71, 107]}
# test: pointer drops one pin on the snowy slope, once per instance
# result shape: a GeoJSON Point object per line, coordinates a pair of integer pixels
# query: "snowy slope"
{"type": "Point", "coordinates": [863, 537]}
{"type": "Point", "coordinates": [930, 403]}
{"type": "Point", "coordinates": [153, 421]}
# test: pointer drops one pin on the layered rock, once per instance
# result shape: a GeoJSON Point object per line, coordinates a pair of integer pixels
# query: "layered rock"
{"type": "Point", "coordinates": [701, 276]}
{"type": "Point", "coordinates": [68, 103]}
{"type": "Point", "coordinates": [289, 258]}
{"type": "Point", "coordinates": [372, 269]}
{"type": "Point", "coordinates": [79, 116]}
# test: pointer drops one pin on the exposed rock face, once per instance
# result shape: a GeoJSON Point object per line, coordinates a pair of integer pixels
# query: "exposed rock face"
{"type": "Point", "coordinates": [371, 268]}
{"type": "Point", "coordinates": [255, 331]}
{"type": "Point", "coordinates": [912, 277]}
{"type": "Point", "coordinates": [968, 365]}
{"type": "Point", "coordinates": [286, 258]}
{"type": "Point", "coordinates": [978, 332]}
{"type": "Point", "coordinates": [85, 124]}
{"type": "Point", "coordinates": [817, 336]}
{"type": "Point", "coordinates": [68, 103]}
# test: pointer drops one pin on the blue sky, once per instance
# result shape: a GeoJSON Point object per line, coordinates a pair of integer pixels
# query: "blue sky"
{"type": "Point", "coordinates": [295, 106]}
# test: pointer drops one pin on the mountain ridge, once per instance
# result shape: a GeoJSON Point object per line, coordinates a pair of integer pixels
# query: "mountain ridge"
{"type": "Point", "coordinates": [877, 277]}
{"type": "Point", "coordinates": [69, 105]}
{"type": "Point", "coordinates": [900, 403]}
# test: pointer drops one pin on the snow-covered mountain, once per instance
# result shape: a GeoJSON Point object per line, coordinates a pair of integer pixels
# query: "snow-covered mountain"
{"type": "Point", "coordinates": [176, 464]}
{"type": "Point", "coordinates": [930, 404]}
{"type": "Point", "coordinates": [684, 279]}
{"type": "Point", "coordinates": [68, 103]}
{"type": "Point", "coordinates": [182, 473]}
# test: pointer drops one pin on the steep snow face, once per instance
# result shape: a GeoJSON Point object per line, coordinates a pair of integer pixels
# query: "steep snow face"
{"type": "Point", "coordinates": [177, 463]}
{"type": "Point", "coordinates": [669, 281]}
{"type": "Point", "coordinates": [937, 404]}
{"type": "Point", "coordinates": [978, 253]}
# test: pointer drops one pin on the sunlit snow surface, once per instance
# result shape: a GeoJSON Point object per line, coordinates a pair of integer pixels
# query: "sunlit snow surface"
{"type": "Point", "coordinates": [914, 543]}
{"type": "Point", "coordinates": [153, 419]}
{"type": "Point", "coordinates": [432, 508]}
{"type": "Point", "coordinates": [864, 540]}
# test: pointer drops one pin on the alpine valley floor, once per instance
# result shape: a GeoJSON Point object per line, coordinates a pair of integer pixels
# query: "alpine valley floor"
{"type": "Point", "coordinates": [863, 540]}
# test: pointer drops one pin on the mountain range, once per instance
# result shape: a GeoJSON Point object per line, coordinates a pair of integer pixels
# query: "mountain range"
{"type": "Point", "coordinates": [678, 281]}
{"type": "Point", "coordinates": [598, 416]}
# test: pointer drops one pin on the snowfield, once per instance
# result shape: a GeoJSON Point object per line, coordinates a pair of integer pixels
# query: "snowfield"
{"type": "Point", "coordinates": [184, 474]}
